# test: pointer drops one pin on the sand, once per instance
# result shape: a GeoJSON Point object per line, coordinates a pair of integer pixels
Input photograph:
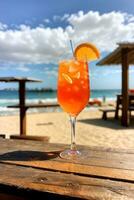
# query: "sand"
{"type": "Point", "coordinates": [91, 130]}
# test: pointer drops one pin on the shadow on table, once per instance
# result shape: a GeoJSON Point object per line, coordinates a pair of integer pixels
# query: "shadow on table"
{"type": "Point", "coordinates": [109, 123]}
{"type": "Point", "coordinates": [28, 156]}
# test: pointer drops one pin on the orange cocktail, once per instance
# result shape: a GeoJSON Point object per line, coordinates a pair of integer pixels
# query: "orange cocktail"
{"type": "Point", "coordinates": [74, 90]}
{"type": "Point", "coordinates": [73, 86]}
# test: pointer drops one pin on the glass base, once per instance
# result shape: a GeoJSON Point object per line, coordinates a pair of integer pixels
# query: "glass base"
{"type": "Point", "coordinates": [71, 154]}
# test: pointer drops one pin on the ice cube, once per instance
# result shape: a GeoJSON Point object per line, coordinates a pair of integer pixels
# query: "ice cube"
{"type": "Point", "coordinates": [72, 69]}
{"type": "Point", "coordinates": [77, 75]}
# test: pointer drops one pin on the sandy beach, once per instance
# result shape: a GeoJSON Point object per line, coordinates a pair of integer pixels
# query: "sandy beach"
{"type": "Point", "coordinates": [91, 130]}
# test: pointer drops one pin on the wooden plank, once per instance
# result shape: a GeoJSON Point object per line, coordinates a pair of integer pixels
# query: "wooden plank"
{"type": "Point", "coordinates": [125, 100]}
{"type": "Point", "coordinates": [110, 58]}
{"type": "Point", "coordinates": [112, 173]}
{"type": "Point", "coordinates": [129, 45]}
{"type": "Point", "coordinates": [30, 137]}
{"type": "Point", "coordinates": [107, 109]}
{"type": "Point", "coordinates": [38, 105]}
{"type": "Point", "coordinates": [18, 79]}
{"type": "Point", "coordinates": [22, 108]}
{"type": "Point", "coordinates": [114, 58]}
{"type": "Point", "coordinates": [99, 162]}
{"type": "Point", "coordinates": [118, 103]}
{"type": "Point", "coordinates": [131, 56]}
{"type": "Point", "coordinates": [17, 178]}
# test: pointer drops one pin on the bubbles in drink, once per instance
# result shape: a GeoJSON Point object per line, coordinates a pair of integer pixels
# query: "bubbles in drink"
{"type": "Point", "coordinates": [76, 88]}
{"type": "Point", "coordinates": [77, 75]}
{"type": "Point", "coordinates": [86, 75]}
{"type": "Point", "coordinates": [82, 82]}
{"type": "Point", "coordinates": [73, 90]}
{"type": "Point", "coordinates": [68, 89]}
{"type": "Point", "coordinates": [85, 86]}
{"type": "Point", "coordinates": [72, 100]}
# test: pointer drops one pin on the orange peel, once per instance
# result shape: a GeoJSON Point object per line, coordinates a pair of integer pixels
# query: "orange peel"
{"type": "Point", "coordinates": [86, 52]}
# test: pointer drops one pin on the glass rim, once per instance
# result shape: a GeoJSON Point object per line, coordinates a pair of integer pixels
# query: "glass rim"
{"type": "Point", "coordinates": [72, 59]}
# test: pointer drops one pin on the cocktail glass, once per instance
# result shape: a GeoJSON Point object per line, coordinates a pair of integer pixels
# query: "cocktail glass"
{"type": "Point", "coordinates": [73, 95]}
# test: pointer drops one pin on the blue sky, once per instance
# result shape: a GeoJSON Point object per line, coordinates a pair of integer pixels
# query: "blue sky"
{"type": "Point", "coordinates": [35, 34]}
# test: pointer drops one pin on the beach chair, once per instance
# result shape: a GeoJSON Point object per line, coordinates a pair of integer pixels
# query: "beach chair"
{"type": "Point", "coordinates": [107, 110]}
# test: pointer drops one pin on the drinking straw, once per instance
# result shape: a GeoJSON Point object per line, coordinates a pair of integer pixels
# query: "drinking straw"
{"type": "Point", "coordinates": [71, 44]}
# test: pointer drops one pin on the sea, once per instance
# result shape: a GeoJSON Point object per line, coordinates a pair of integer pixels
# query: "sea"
{"type": "Point", "coordinates": [10, 97]}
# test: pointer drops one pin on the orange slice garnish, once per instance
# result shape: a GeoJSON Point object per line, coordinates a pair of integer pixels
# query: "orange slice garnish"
{"type": "Point", "coordinates": [86, 52]}
{"type": "Point", "coordinates": [67, 78]}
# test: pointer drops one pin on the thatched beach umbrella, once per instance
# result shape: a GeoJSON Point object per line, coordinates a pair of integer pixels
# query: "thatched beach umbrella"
{"type": "Point", "coordinates": [124, 56]}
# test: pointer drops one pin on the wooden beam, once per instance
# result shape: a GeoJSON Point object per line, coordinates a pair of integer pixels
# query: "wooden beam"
{"type": "Point", "coordinates": [22, 108]}
{"type": "Point", "coordinates": [125, 78]}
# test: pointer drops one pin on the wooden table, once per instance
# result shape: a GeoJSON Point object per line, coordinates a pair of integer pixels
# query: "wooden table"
{"type": "Point", "coordinates": [22, 93]}
{"type": "Point", "coordinates": [119, 105]}
{"type": "Point", "coordinates": [26, 107]}
{"type": "Point", "coordinates": [29, 169]}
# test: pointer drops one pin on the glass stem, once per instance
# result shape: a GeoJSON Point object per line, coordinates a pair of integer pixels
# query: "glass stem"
{"type": "Point", "coordinates": [73, 122]}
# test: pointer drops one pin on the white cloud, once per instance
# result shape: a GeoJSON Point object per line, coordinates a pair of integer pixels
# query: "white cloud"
{"type": "Point", "coordinates": [104, 30]}
{"type": "Point", "coordinates": [52, 72]}
{"type": "Point", "coordinates": [56, 18]}
{"type": "Point", "coordinates": [61, 18]}
{"type": "Point", "coordinates": [3, 26]}
{"type": "Point", "coordinates": [66, 16]}
{"type": "Point", "coordinates": [49, 45]}
{"type": "Point", "coordinates": [6, 66]}
{"type": "Point", "coordinates": [47, 21]}
{"type": "Point", "coordinates": [23, 68]}
{"type": "Point", "coordinates": [39, 45]}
